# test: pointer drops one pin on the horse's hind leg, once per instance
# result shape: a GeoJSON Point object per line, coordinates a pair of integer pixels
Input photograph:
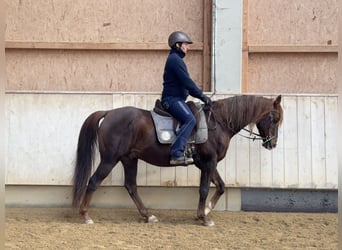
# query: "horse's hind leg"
{"type": "Point", "coordinates": [131, 169]}
{"type": "Point", "coordinates": [101, 172]}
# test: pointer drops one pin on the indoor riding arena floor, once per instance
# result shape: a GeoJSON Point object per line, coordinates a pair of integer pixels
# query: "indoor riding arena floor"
{"type": "Point", "coordinates": [62, 228]}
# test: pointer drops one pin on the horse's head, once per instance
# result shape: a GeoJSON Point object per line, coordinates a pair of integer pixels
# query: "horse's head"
{"type": "Point", "coordinates": [269, 123]}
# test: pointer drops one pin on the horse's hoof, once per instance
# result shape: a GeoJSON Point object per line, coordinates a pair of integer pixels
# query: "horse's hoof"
{"type": "Point", "coordinates": [89, 222]}
{"type": "Point", "coordinates": [208, 223]}
{"type": "Point", "coordinates": [152, 219]}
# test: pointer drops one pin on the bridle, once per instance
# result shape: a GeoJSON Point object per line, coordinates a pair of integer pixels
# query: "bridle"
{"type": "Point", "coordinates": [253, 138]}
{"type": "Point", "coordinates": [266, 139]}
{"type": "Point", "coordinates": [256, 136]}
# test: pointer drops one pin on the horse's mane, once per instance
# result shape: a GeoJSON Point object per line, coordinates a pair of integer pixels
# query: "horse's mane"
{"type": "Point", "coordinates": [238, 111]}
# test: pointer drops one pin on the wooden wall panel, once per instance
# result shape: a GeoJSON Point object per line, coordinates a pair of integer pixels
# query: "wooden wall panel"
{"type": "Point", "coordinates": [278, 160]}
{"type": "Point", "coordinates": [304, 22]}
{"type": "Point", "coordinates": [304, 141]}
{"type": "Point", "coordinates": [318, 141]}
{"type": "Point", "coordinates": [330, 140]}
{"type": "Point", "coordinates": [290, 129]}
{"type": "Point", "coordinates": [102, 21]}
{"type": "Point", "coordinates": [60, 70]}
{"type": "Point", "coordinates": [255, 164]}
{"type": "Point", "coordinates": [266, 168]}
{"type": "Point", "coordinates": [292, 73]}
{"type": "Point", "coordinates": [242, 162]}
{"type": "Point", "coordinates": [290, 46]}
{"type": "Point", "coordinates": [111, 45]}
{"type": "Point", "coordinates": [41, 135]}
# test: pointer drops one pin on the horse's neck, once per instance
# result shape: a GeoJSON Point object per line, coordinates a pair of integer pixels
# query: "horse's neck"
{"type": "Point", "coordinates": [245, 110]}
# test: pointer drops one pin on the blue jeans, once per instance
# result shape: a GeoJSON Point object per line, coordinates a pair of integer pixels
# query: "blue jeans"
{"type": "Point", "coordinates": [180, 111]}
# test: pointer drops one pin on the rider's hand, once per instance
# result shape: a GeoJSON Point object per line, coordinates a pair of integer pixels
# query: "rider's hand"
{"type": "Point", "coordinates": [207, 101]}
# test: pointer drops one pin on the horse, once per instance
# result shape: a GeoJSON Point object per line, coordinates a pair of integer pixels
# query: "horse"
{"type": "Point", "coordinates": [127, 134]}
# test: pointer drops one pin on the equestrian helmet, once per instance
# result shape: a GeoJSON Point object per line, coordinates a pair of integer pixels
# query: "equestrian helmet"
{"type": "Point", "coordinates": [178, 37]}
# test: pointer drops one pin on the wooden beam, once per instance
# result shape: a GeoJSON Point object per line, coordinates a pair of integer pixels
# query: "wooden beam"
{"type": "Point", "coordinates": [92, 46]}
{"type": "Point", "coordinates": [207, 30]}
{"type": "Point", "coordinates": [292, 48]}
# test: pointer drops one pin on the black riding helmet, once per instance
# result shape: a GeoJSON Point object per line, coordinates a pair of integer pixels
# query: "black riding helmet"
{"type": "Point", "coordinates": [178, 37]}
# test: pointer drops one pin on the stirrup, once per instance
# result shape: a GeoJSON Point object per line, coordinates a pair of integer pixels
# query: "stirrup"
{"type": "Point", "coordinates": [181, 160]}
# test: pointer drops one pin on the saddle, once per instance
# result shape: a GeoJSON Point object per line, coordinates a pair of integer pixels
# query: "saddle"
{"type": "Point", "coordinates": [166, 126]}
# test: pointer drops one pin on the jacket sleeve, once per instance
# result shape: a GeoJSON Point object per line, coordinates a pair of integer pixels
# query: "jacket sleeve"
{"type": "Point", "coordinates": [182, 73]}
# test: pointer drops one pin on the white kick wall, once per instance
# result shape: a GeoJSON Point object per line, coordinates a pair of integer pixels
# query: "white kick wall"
{"type": "Point", "coordinates": [43, 131]}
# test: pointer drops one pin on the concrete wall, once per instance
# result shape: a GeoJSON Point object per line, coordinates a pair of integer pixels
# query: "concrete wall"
{"type": "Point", "coordinates": [117, 197]}
{"type": "Point", "coordinates": [234, 199]}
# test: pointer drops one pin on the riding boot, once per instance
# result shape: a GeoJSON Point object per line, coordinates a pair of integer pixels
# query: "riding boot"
{"type": "Point", "coordinates": [178, 156]}
{"type": "Point", "coordinates": [181, 161]}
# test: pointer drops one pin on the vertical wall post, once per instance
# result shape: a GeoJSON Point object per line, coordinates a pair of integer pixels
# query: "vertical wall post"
{"type": "Point", "coordinates": [227, 45]}
{"type": "Point", "coordinates": [2, 124]}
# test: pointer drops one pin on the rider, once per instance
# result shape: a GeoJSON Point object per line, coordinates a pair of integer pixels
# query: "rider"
{"type": "Point", "coordinates": [176, 88]}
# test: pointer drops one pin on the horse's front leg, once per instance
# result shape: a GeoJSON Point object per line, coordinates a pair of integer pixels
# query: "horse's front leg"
{"type": "Point", "coordinates": [217, 180]}
{"type": "Point", "coordinates": [203, 194]}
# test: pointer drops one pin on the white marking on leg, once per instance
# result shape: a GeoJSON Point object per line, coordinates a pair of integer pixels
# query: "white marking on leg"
{"type": "Point", "coordinates": [208, 223]}
{"type": "Point", "coordinates": [208, 208]}
{"type": "Point", "coordinates": [89, 222]}
{"type": "Point", "coordinates": [152, 219]}
{"type": "Point", "coordinates": [207, 211]}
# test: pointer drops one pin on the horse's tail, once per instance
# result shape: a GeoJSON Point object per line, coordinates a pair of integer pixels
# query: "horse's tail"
{"type": "Point", "coordinates": [85, 156]}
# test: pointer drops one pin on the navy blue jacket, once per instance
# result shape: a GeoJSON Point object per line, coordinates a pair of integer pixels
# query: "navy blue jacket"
{"type": "Point", "coordinates": [177, 81]}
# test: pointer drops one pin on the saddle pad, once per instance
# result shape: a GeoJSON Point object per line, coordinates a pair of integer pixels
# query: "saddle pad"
{"type": "Point", "coordinates": [166, 134]}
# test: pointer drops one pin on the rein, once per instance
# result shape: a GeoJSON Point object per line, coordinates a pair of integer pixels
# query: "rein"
{"type": "Point", "coordinates": [210, 114]}
{"type": "Point", "coordinates": [253, 138]}
{"type": "Point", "coordinates": [257, 137]}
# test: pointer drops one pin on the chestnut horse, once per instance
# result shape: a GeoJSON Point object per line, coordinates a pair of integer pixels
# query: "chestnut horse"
{"type": "Point", "coordinates": [127, 134]}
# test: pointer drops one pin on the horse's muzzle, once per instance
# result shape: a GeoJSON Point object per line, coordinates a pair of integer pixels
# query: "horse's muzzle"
{"type": "Point", "coordinates": [268, 143]}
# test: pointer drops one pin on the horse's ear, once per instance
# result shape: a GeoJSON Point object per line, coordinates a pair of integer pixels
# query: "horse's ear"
{"type": "Point", "coordinates": [277, 101]}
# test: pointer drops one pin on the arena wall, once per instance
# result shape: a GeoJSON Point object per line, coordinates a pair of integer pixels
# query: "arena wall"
{"type": "Point", "coordinates": [43, 132]}
{"type": "Point", "coordinates": [101, 46]}
{"type": "Point", "coordinates": [66, 60]}
{"type": "Point", "coordinates": [290, 46]}
{"type": "Point", "coordinates": [42, 138]}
